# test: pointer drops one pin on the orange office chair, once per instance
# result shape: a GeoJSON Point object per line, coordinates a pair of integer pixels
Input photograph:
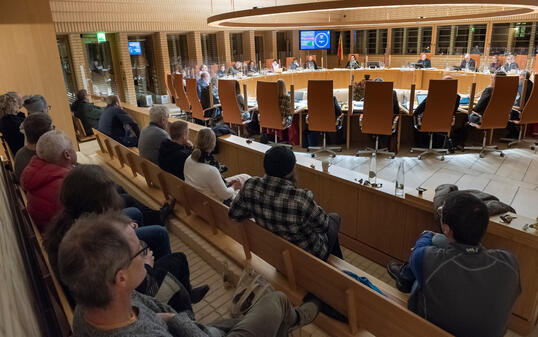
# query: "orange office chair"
{"type": "Point", "coordinates": [321, 115]}
{"type": "Point", "coordinates": [182, 101]}
{"type": "Point", "coordinates": [529, 115]}
{"type": "Point", "coordinates": [269, 108]}
{"type": "Point", "coordinates": [439, 113]}
{"type": "Point", "coordinates": [196, 106]}
{"type": "Point", "coordinates": [377, 118]}
{"type": "Point", "coordinates": [497, 112]}
{"type": "Point", "coordinates": [231, 112]}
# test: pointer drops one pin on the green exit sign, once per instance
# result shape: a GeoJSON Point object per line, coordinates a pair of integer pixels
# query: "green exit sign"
{"type": "Point", "coordinates": [101, 37]}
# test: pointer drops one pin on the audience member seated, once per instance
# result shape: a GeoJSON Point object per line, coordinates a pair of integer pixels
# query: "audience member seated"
{"type": "Point", "coordinates": [424, 61]}
{"type": "Point", "coordinates": [512, 129]}
{"type": "Point", "coordinates": [251, 68]}
{"type": "Point", "coordinates": [454, 281]}
{"type": "Point", "coordinates": [87, 112]}
{"type": "Point", "coordinates": [43, 176]}
{"type": "Point", "coordinates": [35, 126]}
{"type": "Point", "coordinates": [20, 101]}
{"type": "Point", "coordinates": [203, 68]}
{"type": "Point", "coordinates": [10, 122]}
{"type": "Point", "coordinates": [115, 122]}
{"type": "Point", "coordinates": [153, 135]}
{"type": "Point", "coordinates": [511, 64]}
{"type": "Point", "coordinates": [284, 101]}
{"type": "Point", "coordinates": [235, 69]}
{"type": "Point", "coordinates": [467, 63]}
{"type": "Point", "coordinates": [277, 204]}
{"type": "Point", "coordinates": [87, 189]}
{"type": "Point", "coordinates": [352, 63]}
{"type": "Point", "coordinates": [222, 71]}
{"type": "Point", "coordinates": [275, 66]}
{"type": "Point", "coordinates": [495, 64]}
{"type": "Point", "coordinates": [202, 82]}
{"type": "Point", "coordinates": [205, 99]}
{"type": "Point", "coordinates": [245, 114]}
{"type": "Point", "coordinates": [174, 152]}
{"type": "Point", "coordinates": [481, 105]}
{"type": "Point", "coordinates": [310, 63]}
{"type": "Point", "coordinates": [102, 262]}
{"type": "Point", "coordinates": [294, 65]}
{"type": "Point", "coordinates": [36, 103]}
{"type": "Point", "coordinates": [203, 171]}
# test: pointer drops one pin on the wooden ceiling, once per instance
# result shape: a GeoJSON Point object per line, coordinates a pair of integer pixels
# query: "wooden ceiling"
{"type": "Point", "coordinates": [192, 15]}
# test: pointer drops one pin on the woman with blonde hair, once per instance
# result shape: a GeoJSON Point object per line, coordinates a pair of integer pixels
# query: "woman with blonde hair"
{"type": "Point", "coordinates": [11, 120]}
{"type": "Point", "coordinates": [284, 102]}
{"type": "Point", "coordinates": [203, 171]}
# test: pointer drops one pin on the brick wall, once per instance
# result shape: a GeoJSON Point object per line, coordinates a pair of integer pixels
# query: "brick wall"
{"type": "Point", "coordinates": [223, 47]}
{"type": "Point", "coordinates": [249, 51]}
{"type": "Point", "coordinates": [78, 56]}
{"type": "Point", "coordinates": [122, 67]}
{"type": "Point", "coordinates": [162, 60]}
{"type": "Point", "coordinates": [195, 48]}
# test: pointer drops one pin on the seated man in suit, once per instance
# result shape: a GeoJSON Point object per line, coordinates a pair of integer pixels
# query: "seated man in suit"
{"type": "Point", "coordinates": [480, 107]}
{"type": "Point", "coordinates": [278, 205]}
{"type": "Point", "coordinates": [102, 262]}
{"type": "Point", "coordinates": [467, 63]}
{"type": "Point", "coordinates": [294, 64]}
{"type": "Point", "coordinates": [174, 151]}
{"type": "Point", "coordinates": [453, 279]}
{"type": "Point", "coordinates": [512, 128]}
{"type": "Point", "coordinates": [202, 82]}
{"type": "Point", "coordinates": [495, 64]}
{"type": "Point", "coordinates": [310, 63]}
{"type": "Point", "coordinates": [426, 63]}
{"type": "Point", "coordinates": [511, 63]}
{"type": "Point", "coordinates": [352, 63]}
{"type": "Point", "coordinates": [235, 69]}
{"type": "Point", "coordinates": [87, 112]}
{"type": "Point", "coordinates": [116, 123]}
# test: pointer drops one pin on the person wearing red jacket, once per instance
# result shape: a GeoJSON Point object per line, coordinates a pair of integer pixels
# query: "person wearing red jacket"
{"type": "Point", "coordinates": [43, 176]}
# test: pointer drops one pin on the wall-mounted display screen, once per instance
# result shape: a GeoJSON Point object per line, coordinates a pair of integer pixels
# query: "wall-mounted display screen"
{"type": "Point", "coordinates": [315, 39]}
{"type": "Point", "coordinates": [134, 48]}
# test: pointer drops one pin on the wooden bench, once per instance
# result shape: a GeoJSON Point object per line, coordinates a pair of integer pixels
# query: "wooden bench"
{"type": "Point", "coordinates": [55, 314]}
{"type": "Point", "coordinates": [288, 267]}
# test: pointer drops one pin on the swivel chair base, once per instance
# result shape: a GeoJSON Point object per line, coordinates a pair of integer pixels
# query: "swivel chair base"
{"type": "Point", "coordinates": [276, 143]}
{"type": "Point", "coordinates": [324, 148]}
{"type": "Point", "coordinates": [485, 149]}
{"type": "Point", "coordinates": [375, 150]}
{"type": "Point", "coordinates": [429, 150]}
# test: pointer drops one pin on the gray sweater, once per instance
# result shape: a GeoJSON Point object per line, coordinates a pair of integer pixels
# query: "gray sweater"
{"type": "Point", "coordinates": [150, 141]}
{"type": "Point", "coordinates": [148, 323]}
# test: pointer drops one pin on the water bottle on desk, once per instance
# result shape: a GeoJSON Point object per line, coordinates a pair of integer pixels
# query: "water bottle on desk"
{"type": "Point", "coordinates": [400, 180]}
{"type": "Point", "coordinates": [372, 174]}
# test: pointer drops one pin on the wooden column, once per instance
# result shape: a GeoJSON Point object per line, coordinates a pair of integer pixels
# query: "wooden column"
{"type": "Point", "coordinates": [510, 42]}
{"type": "Point", "coordinates": [452, 40]}
{"type": "Point", "coordinates": [531, 44]}
{"type": "Point", "coordinates": [487, 48]}
{"type": "Point", "coordinates": [433, 45]}
{"type": "Point", "coordinates": [378, 42]}
{"type": "Point", "coordinates": [194, 44]}
{"type": "Point", "coordinates": [352, 42]}
{"type": "Point", "coordinates": [295, 43]}
{"type": "Point", "coordinates": [249, 51]}
{"type": "Point", "coordinates": [404, 42]}
{"type": "Point", "coordinates": [470, 39]}
{"type": "Point", "coordinates": [419, 40]}
{"type": "Point", "coordinates": [162, 60]}
{"type": "Point", "coordinates": [269, 45]}
{"type": "Point", "coordinates": [122, 62]}
{"type": "Point", "coordinates": [80, 62]}
{"type": "Point", "coordinates": [223, 47]}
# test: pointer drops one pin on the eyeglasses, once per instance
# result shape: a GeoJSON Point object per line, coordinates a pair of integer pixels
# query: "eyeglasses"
{"type": "Point", "coordinates": [143, 251]}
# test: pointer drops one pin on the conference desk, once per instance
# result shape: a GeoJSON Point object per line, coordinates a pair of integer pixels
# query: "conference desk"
{"type": "Point", "coordinates": [375, 222]}
{"type": "Point", "coordinates": [342, 78]}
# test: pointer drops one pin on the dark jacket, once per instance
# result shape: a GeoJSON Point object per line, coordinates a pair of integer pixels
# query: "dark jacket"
{"type": "Point", "coordinates": [511, 66]}
{"type": "Point", "coordinates": [472, 64]}
{"type": "Point", "coordinates": [527, 92]}
{"type": "Point", "coordinates": [88, 114]}
{"type": "Point", "coordinates": [10, 126]}
{"type": "Point", "coordinates": [112, 122]}
{"type": "Point", "coordinates": [172, 157]}
{"type": "Point", "coordinates": [200, 84]}
{"type": "Point", "coordinates": [294, 65]}
{"type": "Point", "coordinates": [352, 65]}
{"type": "Point", "coordinates": [483, 102]}
{"type": "Point", "coordinates": [308, 63]}
{"type": "Point", "coordinates": [221, 73]}
{"type": "Point", "coordinates": [425, 63]}
{"type": "Point", "coordinates": [204, 98]}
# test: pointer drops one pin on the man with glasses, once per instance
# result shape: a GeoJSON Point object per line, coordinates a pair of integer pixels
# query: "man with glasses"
{"type": "Point", "coordinates": [454, 281]}
{"type": "Point", "coordinates": [102, 261]}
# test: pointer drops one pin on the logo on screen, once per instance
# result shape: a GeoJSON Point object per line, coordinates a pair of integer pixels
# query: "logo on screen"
{"type": "Point", "coordinates": [315, 39]}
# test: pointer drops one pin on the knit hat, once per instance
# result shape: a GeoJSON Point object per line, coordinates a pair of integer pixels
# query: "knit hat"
{"type": "Point", "coordinates": [279, 161]}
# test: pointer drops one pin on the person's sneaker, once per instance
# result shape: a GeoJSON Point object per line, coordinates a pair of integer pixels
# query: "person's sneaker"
{"type": "Point", "coordinates": [197, 294]}
{"type": "Point", "coordinates": [166, 210]}
{"type": "Point", "coordinates": [306, 313]}
{"type": "Point", "coordinates": [394, 269]}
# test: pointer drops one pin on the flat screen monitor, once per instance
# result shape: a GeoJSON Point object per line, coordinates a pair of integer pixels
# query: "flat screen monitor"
{"type": "Point", "coordinates": [134, 48]}
{"type": "Point", "coordinates": [315, 39]}
{"type": "Point", "coordinates": [421, 98]}
{"type": "Point", "coordinates": [373, 64]}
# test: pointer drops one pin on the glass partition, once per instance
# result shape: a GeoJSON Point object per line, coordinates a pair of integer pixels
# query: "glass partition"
{"type": "Point", "coordinates": [101, 67]}
{"type": "Point", "coordinates": [67, 67]}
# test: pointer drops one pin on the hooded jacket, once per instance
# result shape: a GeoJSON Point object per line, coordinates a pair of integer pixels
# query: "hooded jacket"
{"type": "Point", "coordinates": [42, 182]}
{"type": "Point", "coordinates": [172, 157]}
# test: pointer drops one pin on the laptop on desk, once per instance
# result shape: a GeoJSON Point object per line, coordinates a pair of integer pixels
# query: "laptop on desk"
{"type": "Point", "coordinates": [421, 98]}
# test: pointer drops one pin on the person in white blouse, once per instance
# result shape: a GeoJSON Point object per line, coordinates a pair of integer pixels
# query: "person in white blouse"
{"type": "Point", "coordinates": [203, 172]}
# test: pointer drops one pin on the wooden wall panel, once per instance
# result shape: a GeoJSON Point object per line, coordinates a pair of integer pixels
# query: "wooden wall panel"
{"type": "Point", "coordinates": [30, 62]}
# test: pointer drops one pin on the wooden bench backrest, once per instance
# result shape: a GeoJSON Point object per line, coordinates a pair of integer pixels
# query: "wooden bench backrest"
{"type": "Point", "coordinates": [500, 104]}
{"type": "Point", "coordinates": [99, 137]}
{"type": "Point", "coordinates": [268, 105]}
{"type": "Point", "coordinates": [79, 128]}
{"type": "Point", "coordinates": [530, 111]}
{"type": "Point", "coordinates": [182, 101]}
{"type": "Point", "coordinates": [440, 105]}
{"type": "Point", "coordinates": [174, 187]}
{"type": "Point", "coordinates": [199, 204]}
{"type": "Point", "coordinates": [378, 108]}
{"type": "Point", "coordinates": [192, 94]}
{"type": "Point", "coordinates": [231, 112]}
{"type": "Point", "coordinates": [321, 106]}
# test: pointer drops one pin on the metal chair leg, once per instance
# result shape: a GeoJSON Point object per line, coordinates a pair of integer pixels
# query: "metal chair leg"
{"type": "Point", "coordinates": [430, 150]}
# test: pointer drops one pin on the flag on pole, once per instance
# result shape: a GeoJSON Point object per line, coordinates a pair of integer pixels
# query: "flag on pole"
{"type": "Point", "coordinates": [340, 52]}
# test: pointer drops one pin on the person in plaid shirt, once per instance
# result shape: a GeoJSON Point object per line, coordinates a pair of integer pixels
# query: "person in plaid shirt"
{"type": "Point", "coordinates": [277, 204]}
